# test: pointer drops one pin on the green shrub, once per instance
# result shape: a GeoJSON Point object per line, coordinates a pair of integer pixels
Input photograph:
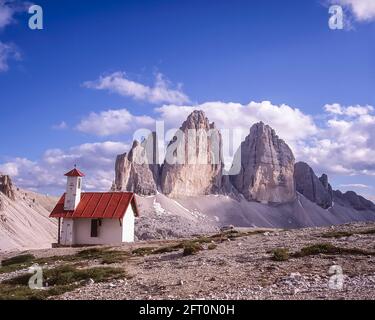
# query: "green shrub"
{"type": "Point", "coordinates": [192, 248]}
{"type": "Point", "coordinates": [8, 292]}
{"type": "Point", "coordinates": [166, 249]}
{"type": "Point", "coordinates": [329, 249]}
{"type": "Point", "coordinates": [368, 231]}
{"type": "Point", "coordinates": [145, 251]}
{"type": "Point", "coordinates": [67, 274]}
{"type": "Point", "coordinates": [340, 234]}
{"type": "Point", "coordinates": [23, 258]}
{"type": "Point", "coordinates": [60, 279]}
{"type": "Point", "coordinates": [337, 234]}
{"type": "Point", "coordinates": [92, 253]}
{"type": "Point", "coordinates": [104, 254]}
{"type": "Point", "coordinates": [280, 254]}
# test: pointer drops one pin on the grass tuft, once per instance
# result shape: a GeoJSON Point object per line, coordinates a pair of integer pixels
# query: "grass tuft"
{"type": "Point", "coordinates": [145, 251]}
{"type": "Point", "coordinates": [337, 234]}
{"type": "Point", "coordinates": [60, 279]}
{"type": "Point", "coordinates": [192, 248]}
{"type": "Point", "coordinates": [212, 240]}
{"type": "Point", "coordinates": [23, 258]}
{"type": "Point", "coordinates": [280, 254]}
{"type": "Point", "coordinates": [167, 249]}
{"type": "Point", "coordinates": [105, 255]}
{"type": "Point", "coordinates": [340, 234]}
{"type": "Point", "coordinates": [16, 263]}
{"type": "Point", "coordinates": [329, 249]}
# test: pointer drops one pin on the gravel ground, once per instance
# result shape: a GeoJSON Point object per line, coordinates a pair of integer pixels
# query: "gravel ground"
{"type": "Point", "coordinates": [239, 269]}
{"type": "Point", "coordinates": [243, 269]}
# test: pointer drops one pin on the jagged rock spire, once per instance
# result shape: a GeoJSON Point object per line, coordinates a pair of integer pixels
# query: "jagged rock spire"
{"type": "Point", "coordinates": [138, 171]}
{"type": "Point", "coordinates": [267, 166]}
{"type": "Point", "coordinates": [6, 186]}
{"type": "Point", "coordinates": [193, 164]}
{"type": "Point", "coordinates": [315, 189]}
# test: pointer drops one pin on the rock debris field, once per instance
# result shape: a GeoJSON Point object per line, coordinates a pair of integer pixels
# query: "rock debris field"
{"type": "Point", "coordinates": [238, 264]}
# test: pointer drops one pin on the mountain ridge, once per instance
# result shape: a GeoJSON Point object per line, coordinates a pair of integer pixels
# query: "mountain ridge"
{"type": "Point", "coordinates": [268, 172]}
{"type": "Point", "coordinates": [270, 190]}
{"type": "Point", "coordinates": [24, 218]}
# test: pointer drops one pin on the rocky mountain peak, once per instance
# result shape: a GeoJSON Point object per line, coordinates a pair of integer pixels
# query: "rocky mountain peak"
{"type": "Point", "coordinates": [138, 170]}
{"type": "Point", "coordinates": [197, 120]}
{"type": "Point", "coordinates": [315, 189]}
{"type": "Point", "coordinates": [267, 167]}
{"type": "Point", "coordinates": [264, 167]}
{"type": "Point", "coordinates": [353, 200]}
{"type": "Point", "coordinates": [193, 163]}
{"type": "Point", "coordinates": [6, 186]}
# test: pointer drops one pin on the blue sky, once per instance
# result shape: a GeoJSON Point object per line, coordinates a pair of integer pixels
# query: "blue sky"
{"type": "Point", "coordinates": [207, 51]}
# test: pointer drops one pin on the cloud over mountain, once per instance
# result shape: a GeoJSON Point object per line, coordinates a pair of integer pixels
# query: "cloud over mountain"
{"type": "Point", "coordinates": [119, 83]}
{"type": "Point", "coordinates": [7, 52]}
{"type": "Point", "coordinates": [291, 123]}
{"type": "Point", "coordinates": [95, 159]}
{"type": "Point", "coordinates": [343, 143]}
{"type": "Point", "coordinates": [363, 10]}
{"type": "Point", "coordinates": [112, 122]}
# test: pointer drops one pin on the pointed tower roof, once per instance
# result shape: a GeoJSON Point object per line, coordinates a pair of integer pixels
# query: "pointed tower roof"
{"type": "Point", "coordinates": [74, 173]}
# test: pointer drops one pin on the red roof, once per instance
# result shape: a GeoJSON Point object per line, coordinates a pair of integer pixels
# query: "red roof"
{"type": "Point", "coordinates": [74, 173]}
{"type": "Point", "coordinates": [106, 205]}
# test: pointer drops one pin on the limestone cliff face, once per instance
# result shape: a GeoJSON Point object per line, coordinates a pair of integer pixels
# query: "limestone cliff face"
{"type": "Point", "coordinates": [138, 171]}
{"type": "Point", "coordinates": [6, 186]}
{"type": "Point", "coordinates": [193, 164]}
{"type": "Point", "coordinates": [315, 189]}
{"type": "Point", "coordinates": [267, 167]}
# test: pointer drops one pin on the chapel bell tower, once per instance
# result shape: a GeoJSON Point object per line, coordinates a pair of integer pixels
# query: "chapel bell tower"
{"type": "Point", "coordinates": [73, 189]}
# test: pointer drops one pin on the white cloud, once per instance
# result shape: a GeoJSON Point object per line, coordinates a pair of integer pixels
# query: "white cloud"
{"type": "Point", "coordinates": [30, 174]}
{"type": "Point", "coordinates": [356, 185]}
{"type": "Point", "coordinates": [60, 126]}
{"type": "Point", "coordinates": [351, 111]}
{"type": "Point", "coordinates": [160, 93]}
{"type": "Point", "coordinates": [289, 123]}
{"type": "Point", "coordinates": [95, 159]}
{"type": "Point", "coordinates": [8, 8]}
{"type": "Point", "coordinates": [363, 10]}
{"type": "Point", "coordinates": [112, 122]}
{"type": "Point", "coordinates": [7, 52]}
{"type": "Point", "coordinates": [345, 144]}
{"type": "Point", "coordinates": [6, 14]}
{"type": "Point", "coordinates": [10, 168]}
